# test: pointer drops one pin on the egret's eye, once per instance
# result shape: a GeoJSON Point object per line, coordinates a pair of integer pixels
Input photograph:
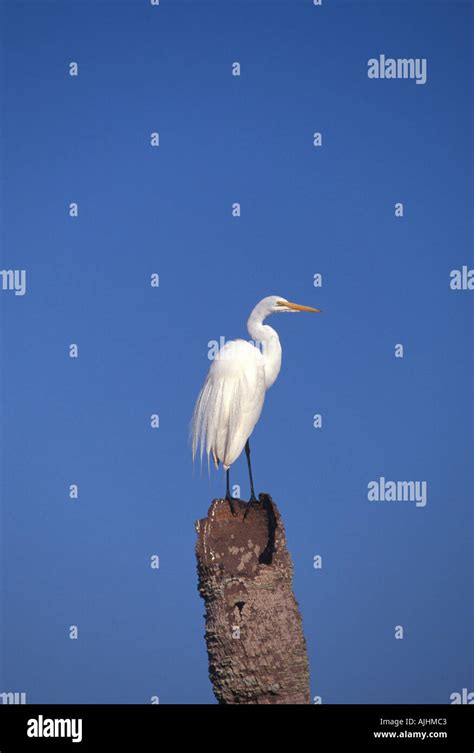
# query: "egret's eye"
{"type": "Point", "coordinates": [280, 303]}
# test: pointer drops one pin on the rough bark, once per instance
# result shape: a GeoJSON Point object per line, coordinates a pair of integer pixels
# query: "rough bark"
{"type": "Point", "coordinates": [255, 642]}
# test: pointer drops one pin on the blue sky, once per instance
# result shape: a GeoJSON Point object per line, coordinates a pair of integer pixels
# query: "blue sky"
{"type": "Point", "coordinates": [304, 210]}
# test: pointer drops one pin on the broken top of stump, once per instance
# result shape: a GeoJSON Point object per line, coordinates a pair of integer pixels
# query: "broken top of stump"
{"type": "Point", "coordinates": [242, 542]}
{"type": "Point", "coordinates": [256, 647]}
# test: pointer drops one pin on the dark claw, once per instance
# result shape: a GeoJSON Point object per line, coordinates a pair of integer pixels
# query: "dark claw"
{"type": "Point", "coordinates": [231, 505]}
{"type": "Point", "coordinates": [252, 501]}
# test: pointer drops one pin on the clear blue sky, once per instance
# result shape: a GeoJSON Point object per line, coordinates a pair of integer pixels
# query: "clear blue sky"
{"type": "Point", "coordinates": [305, 210]}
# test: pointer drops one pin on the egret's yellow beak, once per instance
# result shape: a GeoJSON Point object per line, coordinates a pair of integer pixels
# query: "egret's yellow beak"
{"type": "Point", "coordinates": [297, 307]}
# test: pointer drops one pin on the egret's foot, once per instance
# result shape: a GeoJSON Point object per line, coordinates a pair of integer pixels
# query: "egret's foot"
{"type": "Point", "coordinates": [230, 500]}
{"type": "Point", "coordinates": [252, 501]}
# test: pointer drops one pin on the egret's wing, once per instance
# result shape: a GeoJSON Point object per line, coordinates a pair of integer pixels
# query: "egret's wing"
{"type": "Point", "coordinates": [230, 403]}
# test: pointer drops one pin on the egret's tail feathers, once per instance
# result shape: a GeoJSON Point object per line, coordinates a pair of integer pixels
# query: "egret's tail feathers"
{"type": "Point", "coordinates": [199, 422]}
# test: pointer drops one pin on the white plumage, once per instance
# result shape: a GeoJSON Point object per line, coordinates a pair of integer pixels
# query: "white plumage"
{"type": "Point", "coordinates": [231, 400]}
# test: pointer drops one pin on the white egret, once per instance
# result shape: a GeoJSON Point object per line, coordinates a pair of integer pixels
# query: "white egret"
{"type": "Point", "coordinates": [231, 400]}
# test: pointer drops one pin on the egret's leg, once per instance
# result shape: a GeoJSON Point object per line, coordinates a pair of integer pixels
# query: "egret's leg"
{"type": "Point", "coordinates": [228, 495]}
{"type": "Point", "coordinates": [253, 498]}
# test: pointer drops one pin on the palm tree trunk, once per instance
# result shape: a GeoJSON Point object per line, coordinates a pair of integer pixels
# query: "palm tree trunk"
{"type": "Point", "coordinates": [255, 642]}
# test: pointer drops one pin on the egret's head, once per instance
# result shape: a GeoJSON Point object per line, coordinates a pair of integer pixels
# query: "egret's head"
{"type": "Point", "coordinates": [274, 304]}
{"type": "Point", "coordinates": [280, 305]}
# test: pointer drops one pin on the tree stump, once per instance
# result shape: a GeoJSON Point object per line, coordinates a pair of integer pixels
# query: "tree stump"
{"type": "Point", "coordinates": [254, 635]}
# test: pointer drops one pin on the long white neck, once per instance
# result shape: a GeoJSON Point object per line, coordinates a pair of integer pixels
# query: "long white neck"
{"type": "Point", "coordinates": [271, 351]}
